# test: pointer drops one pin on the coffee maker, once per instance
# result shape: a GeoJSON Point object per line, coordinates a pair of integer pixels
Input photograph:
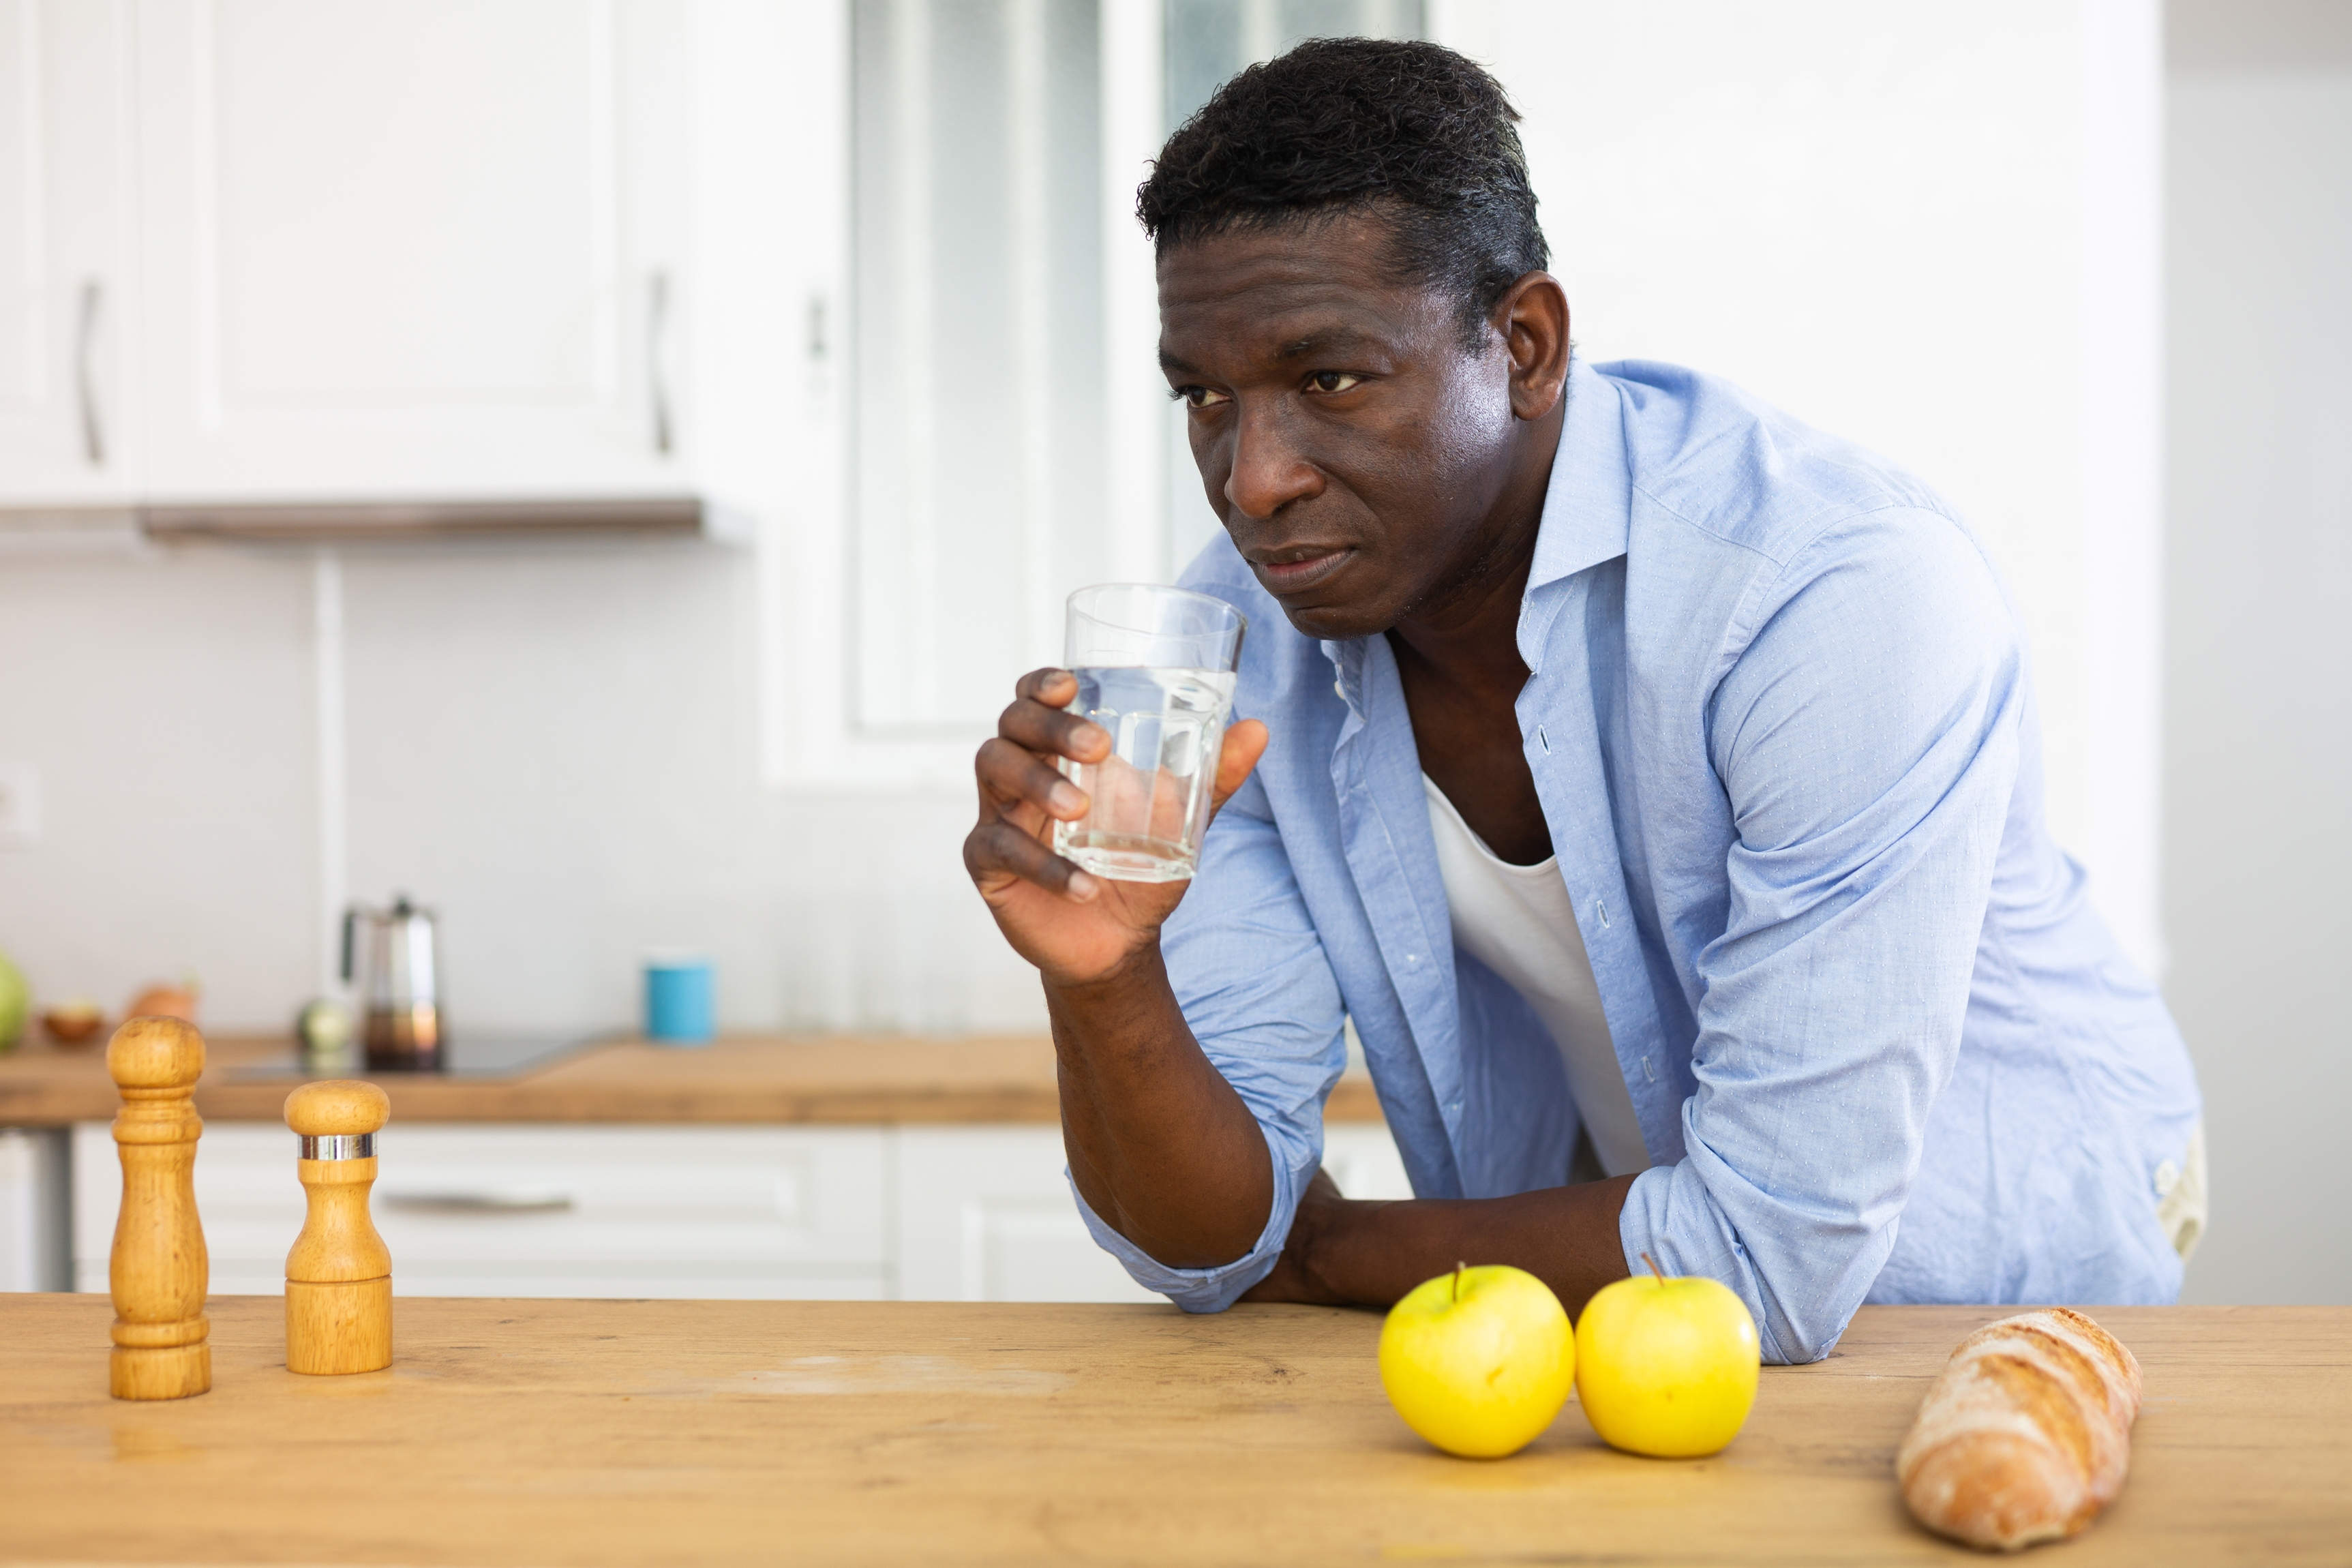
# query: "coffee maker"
{"type": "Point", "coordinates": [395, 954]}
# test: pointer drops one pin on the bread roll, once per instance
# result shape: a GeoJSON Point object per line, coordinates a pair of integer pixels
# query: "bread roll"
{"type": "Point", "coordinates": [2026, 1433]}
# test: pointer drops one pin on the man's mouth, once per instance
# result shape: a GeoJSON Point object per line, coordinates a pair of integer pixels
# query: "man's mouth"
{"type": "Point", "coordinates": [1298, 566]}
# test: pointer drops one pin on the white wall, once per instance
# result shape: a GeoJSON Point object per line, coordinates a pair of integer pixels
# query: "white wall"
{"type": "Point", "coordinates": [2258, 759]}
{"type": "Point", "coordinates": [1930, 228]}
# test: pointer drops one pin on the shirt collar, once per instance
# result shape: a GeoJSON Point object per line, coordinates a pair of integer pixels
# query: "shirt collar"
{"type": "Point", "coordinates": [1590, 498]}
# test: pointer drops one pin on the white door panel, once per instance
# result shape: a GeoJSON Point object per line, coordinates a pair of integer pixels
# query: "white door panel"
{"type": "Point", "coordinates": [414, 250]}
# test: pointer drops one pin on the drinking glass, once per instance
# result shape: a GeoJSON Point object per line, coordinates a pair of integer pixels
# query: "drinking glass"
{"type": "Point", "coordinates": [1156, 669]}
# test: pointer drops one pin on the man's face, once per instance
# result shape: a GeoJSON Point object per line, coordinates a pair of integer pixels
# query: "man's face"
{"type": "Point", "coordinates": [1351, 443]}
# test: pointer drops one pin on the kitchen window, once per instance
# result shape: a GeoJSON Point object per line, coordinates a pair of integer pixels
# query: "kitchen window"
{"type": "Point", "coordinates": [987, 428]}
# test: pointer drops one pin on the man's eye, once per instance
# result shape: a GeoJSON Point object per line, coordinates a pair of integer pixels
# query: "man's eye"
{"type": "Point", "coordinates": [1333, 381]}
{"type": "Point", "coordinates": [1201, 396]}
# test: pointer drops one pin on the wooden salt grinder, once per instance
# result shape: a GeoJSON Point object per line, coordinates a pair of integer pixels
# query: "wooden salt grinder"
{"type": "Point", "coordinates": [158, 1269]}
{"type": "Point", "coordinates": [339, 1275]}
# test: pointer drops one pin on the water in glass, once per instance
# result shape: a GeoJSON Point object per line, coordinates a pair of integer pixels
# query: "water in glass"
{"type": "Point", "coordinates": [1150, 798]}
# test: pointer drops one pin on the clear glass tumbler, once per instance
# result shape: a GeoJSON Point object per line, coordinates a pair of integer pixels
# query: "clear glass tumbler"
{"type": "Point", "coordinates": [1156, 669]}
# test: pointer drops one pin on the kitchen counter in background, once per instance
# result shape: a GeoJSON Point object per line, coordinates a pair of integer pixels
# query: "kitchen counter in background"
{"type": "Point", "coordinates": [794, 1079]}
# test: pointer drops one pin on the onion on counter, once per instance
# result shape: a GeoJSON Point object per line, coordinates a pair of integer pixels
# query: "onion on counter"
{"type": "Point", "coordinates": [165, 1002]}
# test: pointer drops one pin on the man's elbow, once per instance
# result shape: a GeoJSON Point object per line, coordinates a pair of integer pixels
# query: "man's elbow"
{"type": "Point", "coordinates": [1803, 1337]}
{"type": "Point", "coordinates": [1801, 1269]}
{"type": "Point", "coordinates": [1808, 1297]}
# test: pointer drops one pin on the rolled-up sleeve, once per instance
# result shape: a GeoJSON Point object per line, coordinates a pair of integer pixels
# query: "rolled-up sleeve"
{"type": "Point", "coordinates": [1866, 738]}
{"type": "Point", "coordinates": [1259, 995]}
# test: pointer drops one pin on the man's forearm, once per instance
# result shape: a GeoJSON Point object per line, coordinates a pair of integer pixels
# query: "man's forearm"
{"type": "Point", "coordinates": [1370, 1254]}
{"type": "Point", "coordinates": [1159, 1144]}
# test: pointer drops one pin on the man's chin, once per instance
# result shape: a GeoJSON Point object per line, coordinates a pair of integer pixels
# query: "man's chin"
{"type": "Point", "coordinates": [1337, 622]}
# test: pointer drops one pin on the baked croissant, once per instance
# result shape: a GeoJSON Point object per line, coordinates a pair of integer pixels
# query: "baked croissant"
{"type": "Point", "coordinates": [2026, 1433]}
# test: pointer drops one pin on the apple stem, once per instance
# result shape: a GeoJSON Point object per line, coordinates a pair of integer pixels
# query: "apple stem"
{"type": "Point", "coordinates": [1653, 1268]}
{"type": "Point", "coordinates": [1458, 1267]}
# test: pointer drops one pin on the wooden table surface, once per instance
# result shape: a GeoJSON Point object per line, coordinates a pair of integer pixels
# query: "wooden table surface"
{"type": "Point", "coordinates": [765, 1079]}
{"type": "Point", "coordinates": [675, 1432]}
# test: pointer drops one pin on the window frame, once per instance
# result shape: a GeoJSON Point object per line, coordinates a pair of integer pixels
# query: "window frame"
{"type": "Point", "coordinates": [803, 544]}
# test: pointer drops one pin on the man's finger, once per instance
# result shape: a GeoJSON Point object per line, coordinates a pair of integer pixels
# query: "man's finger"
{"type": "Point", "coordinates": [1011, 774]}
{"type": "Point", "coordinates": [1244, 745]}
{"type": "Point", "coordinates": [1053, 688]}
{"type": "Point", "coordinates": [1031, 723]}
{"type": "Point", "coordinates": [998, 851]}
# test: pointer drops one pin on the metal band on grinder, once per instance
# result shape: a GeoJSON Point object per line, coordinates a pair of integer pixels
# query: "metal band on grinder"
{"type": "Point", "coordinates": [341, 1146]}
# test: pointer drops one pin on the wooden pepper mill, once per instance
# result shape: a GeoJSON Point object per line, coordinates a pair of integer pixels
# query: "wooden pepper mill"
{"type": "Point", "coordinates": [159, 1268]}
{"type": "Point", "coordinates": [339, 1275]}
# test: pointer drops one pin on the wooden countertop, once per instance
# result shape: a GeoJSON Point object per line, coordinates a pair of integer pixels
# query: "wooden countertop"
{"type": "Point", "coordinates": [816, 1079]}
{"type": "Point", "coordinates": [665, 1432]}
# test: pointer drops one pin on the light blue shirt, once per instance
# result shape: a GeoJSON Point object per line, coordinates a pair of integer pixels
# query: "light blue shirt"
{"type": "Point", "coordinates": [1880, 1046]}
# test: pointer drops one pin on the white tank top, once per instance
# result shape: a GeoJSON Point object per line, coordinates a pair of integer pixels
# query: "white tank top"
{"type": "Point", "coordinates": [1518, 922]}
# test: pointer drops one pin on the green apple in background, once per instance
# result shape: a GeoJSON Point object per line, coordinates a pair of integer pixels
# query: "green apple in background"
{"type": "Point", "coordinates": [16, 1002]}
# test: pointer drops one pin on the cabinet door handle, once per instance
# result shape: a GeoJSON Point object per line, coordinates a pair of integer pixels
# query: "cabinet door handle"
{"type": "Point", "coordinates": [93, 434]}
{"type": "Point", "coordinates": [484, 1203]}
{"type": "Point", "coordinates": [656, 371]}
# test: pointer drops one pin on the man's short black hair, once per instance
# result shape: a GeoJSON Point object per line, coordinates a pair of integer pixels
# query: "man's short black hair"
{"type": "Point", "coordinates": [1341, 125]}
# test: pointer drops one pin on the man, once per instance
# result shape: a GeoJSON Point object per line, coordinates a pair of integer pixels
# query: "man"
{"type": "Point", "coordinates": [1654, 782]}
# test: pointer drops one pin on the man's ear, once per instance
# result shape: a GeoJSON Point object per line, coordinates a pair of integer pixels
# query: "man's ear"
{"type": "Point", "coordinates": [1532, 317]}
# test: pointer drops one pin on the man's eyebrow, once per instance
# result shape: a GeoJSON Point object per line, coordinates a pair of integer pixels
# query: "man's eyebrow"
{"type": "Point", "coordinates": [1323, 341]}
{"type": "Point", "coordinates": [1327, 341]}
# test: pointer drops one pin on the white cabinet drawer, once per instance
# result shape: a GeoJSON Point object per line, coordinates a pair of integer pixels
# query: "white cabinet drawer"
{"type": "Point", "coordinates": [985, 1214]}
{"type": "Point", "coordinates": [480, 1209]}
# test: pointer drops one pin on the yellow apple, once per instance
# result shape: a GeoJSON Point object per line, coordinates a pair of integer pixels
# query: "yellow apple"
{"type": "Point", "coordinates": [1666, 1367]}
{"type": "Point", "coordinates": [1478, 1360]}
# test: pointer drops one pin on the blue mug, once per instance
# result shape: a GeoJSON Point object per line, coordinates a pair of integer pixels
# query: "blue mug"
{"type": "Point", "coordinates": [680, 1002]}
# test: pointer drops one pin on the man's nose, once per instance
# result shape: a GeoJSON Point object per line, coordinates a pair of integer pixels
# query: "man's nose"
{"type": "Point", "coordinates": [1268, 471]}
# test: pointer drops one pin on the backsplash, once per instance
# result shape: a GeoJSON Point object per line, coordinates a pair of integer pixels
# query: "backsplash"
{"type": "Point", "coordinates": [555, 746]}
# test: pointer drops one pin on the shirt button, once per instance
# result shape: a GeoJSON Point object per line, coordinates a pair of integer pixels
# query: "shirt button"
{"type": "Point", "coordinates": [1340, 691]}
{"type": "Point", "coordinates": [1453, 1107]}
{"type": "Point", "coordinates": [1601, 913]}
{"type": "Point", "coordinates": [1649, 1070]}
{"type": "Point", "coordinates": [2168, 1176]}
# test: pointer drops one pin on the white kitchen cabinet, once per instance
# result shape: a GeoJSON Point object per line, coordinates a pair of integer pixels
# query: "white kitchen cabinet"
{"type": "Point", "coordinates": [482, 1209]}
{"type": "Point", "coordinates": [915, 1213]}
{"type": "Point", "coordinates": [428, 248]}
{"type": "Point", "coordinates": [294, 268]}
{"type": "Point", "coordinates": [66, 273]}
{"type": "Point", "coordinates": [33, 1209]}
{"type": "Point", "coordinates": [984, 1214]}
